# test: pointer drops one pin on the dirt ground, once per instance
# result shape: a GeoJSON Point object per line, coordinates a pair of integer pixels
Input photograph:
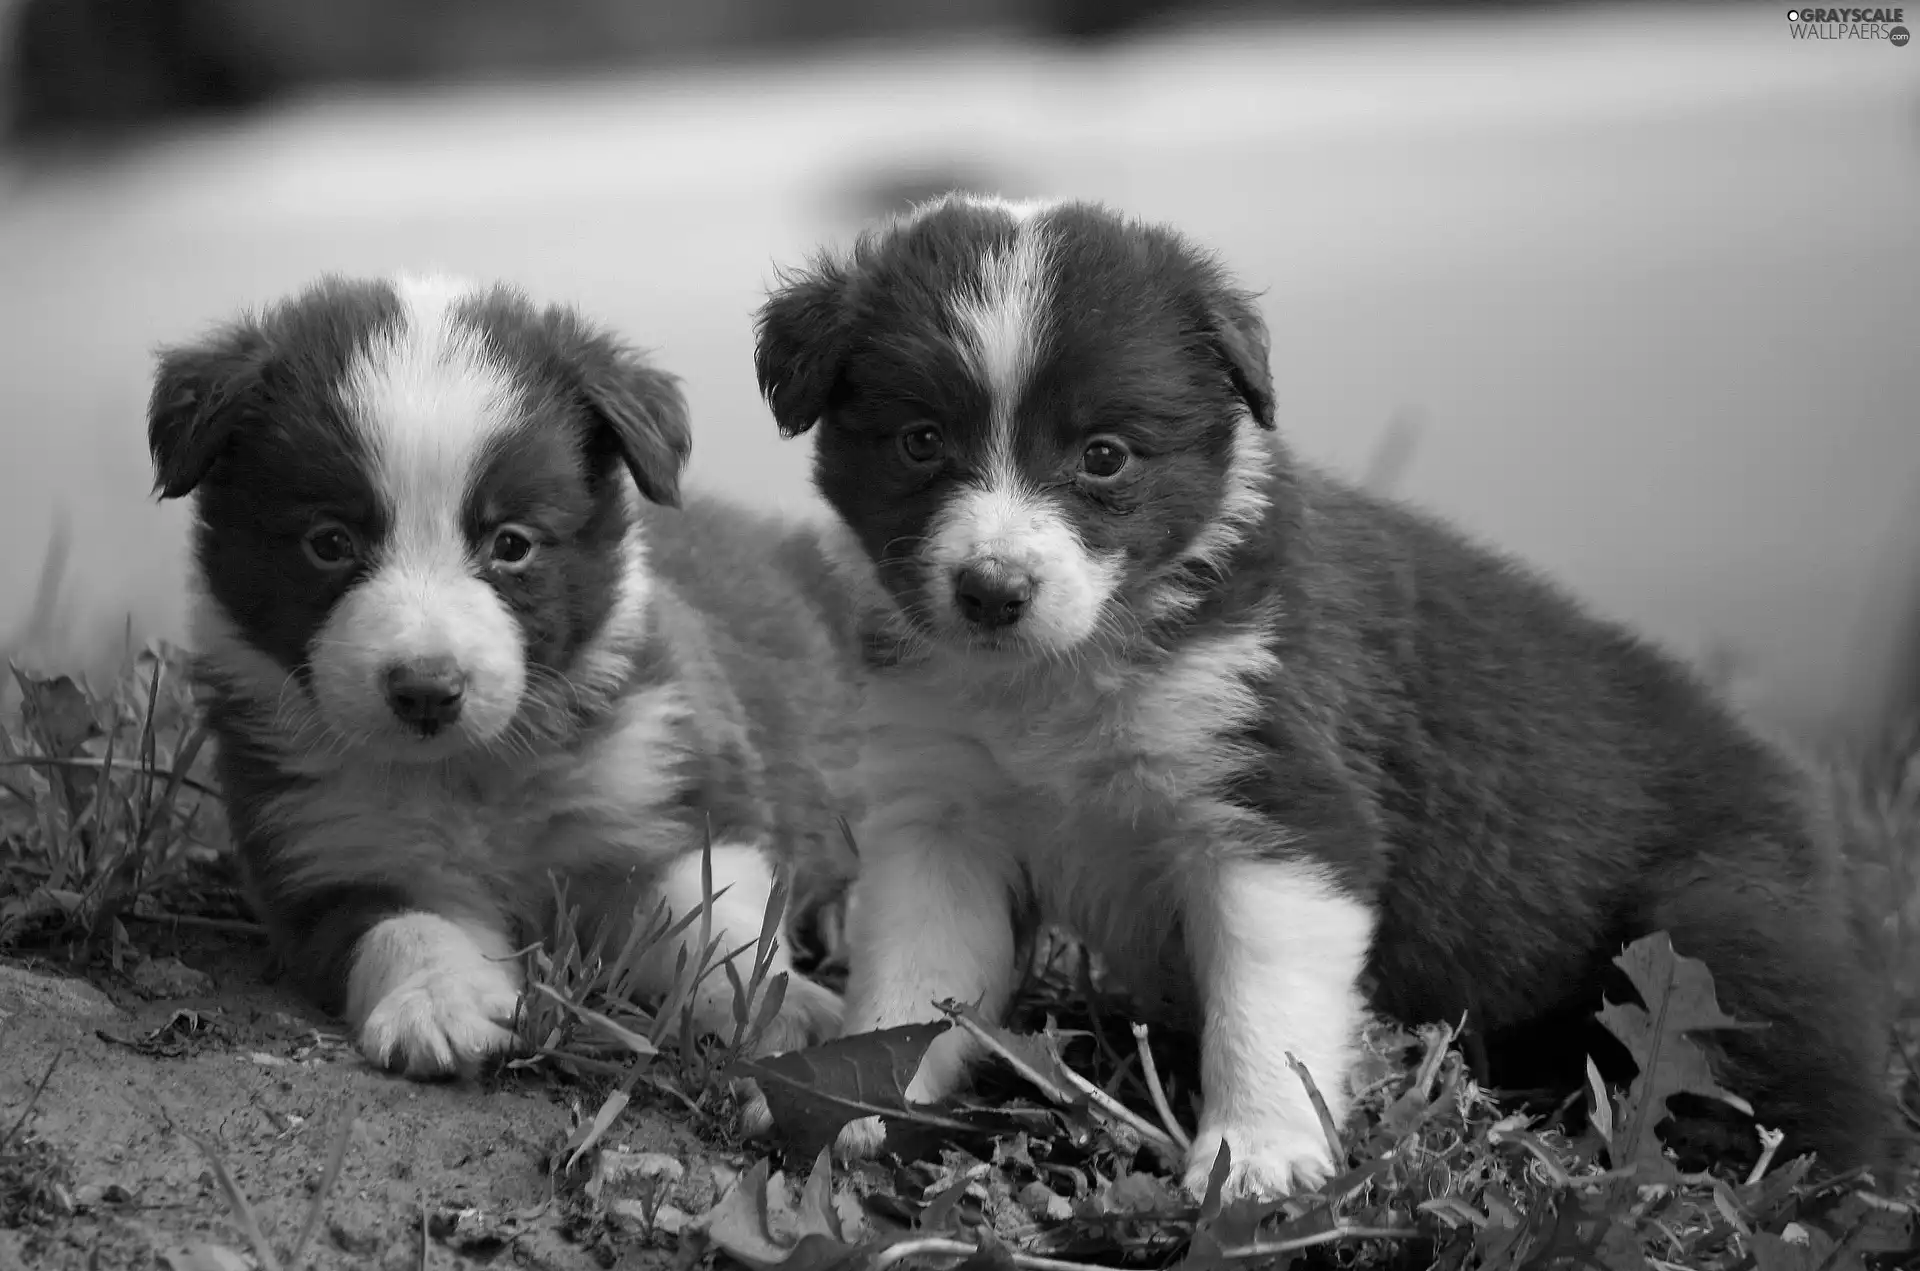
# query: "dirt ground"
{"type": "Point", "coordinates": [198, 1043]}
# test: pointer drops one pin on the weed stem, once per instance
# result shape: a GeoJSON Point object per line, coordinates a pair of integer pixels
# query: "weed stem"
{"type": "Point", "coordinates": [1158, 1091]}
{"type": "Point", "coordinates": [1150, 1132]}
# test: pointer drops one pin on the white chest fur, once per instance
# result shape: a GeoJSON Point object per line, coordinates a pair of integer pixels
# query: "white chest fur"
{"type": "Point", "coordinates": [1100, 783]}
{"type": "Point", "coordinates": [498, 821]}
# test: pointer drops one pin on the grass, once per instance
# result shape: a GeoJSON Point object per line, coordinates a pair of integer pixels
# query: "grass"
{"type": "Point", "coordinates": [36, 1183]}
{"type": "Point", "coordinates": [109, 823]}
{"type": "Point", "coordinates": [105, 804]}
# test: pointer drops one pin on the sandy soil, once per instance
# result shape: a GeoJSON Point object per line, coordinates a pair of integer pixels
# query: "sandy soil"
{"type": "Point", "coordinates": [199, 1043]}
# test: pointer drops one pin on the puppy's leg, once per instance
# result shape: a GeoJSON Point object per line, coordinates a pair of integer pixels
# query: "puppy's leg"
{"type": "Point", "coordinates": [422, 973]}
{"type": "Point", "coordinates": [1278, 950]}
{"type": "Point", "coordinates": [932, 919]}
{"type": "Point", "coordinates": [809, 1012]}
{"type": "Point", "coordinates": [431, 995]}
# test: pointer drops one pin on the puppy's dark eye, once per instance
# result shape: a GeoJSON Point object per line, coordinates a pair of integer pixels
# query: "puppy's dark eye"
{"type": "Point", "coordinates": [331, 547]}
{"type": "Point", "coordinates": [512, 548]}
{"type": "Point", "coordinates": [1104, 459]}
{"type": "Point", "coordinates": [922, 444]}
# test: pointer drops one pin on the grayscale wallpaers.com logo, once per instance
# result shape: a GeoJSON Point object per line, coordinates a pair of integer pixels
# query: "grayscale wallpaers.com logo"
{"type": "Point", "coordinates": [1850, 24]}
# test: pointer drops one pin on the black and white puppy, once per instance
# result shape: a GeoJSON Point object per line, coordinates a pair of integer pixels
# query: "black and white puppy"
{"type": "Point", "coordinates": [457, 634]}
{"type": "Point", "coordinates": [1258, 737]}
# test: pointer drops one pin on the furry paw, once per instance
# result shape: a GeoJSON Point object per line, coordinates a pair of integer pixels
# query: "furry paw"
{"type": "Point", "coordinates": [442, 1021]}
{"type": "Point", "coordinates": [809, 1014]}
{"type": "Point", "coordinates": [860, 1140]}
{"type": "Point", "coordinates": [1263, 1164]}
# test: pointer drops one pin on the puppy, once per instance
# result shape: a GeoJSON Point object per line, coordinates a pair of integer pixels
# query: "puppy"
{"type": "Point", "coordinates": [455, 640]}
{"type": "Point", "coordinates": [1256, 736]}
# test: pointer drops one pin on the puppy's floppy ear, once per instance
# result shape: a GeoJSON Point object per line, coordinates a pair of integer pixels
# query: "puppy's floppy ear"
{"type": "Point", "coordinates": [199, 395]}
{"type": "Point", "coordinates": [800, 345]}
{"type": "Point", "coordinates": [1240, 339]}
{"type": "Point", "coordinates": [643, 410]}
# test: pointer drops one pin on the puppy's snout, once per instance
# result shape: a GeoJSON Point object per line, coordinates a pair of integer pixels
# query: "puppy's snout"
{"type": "Point", "coordinates": [426, 693]}
{"type": "Point", "coordinates": [992, 597]}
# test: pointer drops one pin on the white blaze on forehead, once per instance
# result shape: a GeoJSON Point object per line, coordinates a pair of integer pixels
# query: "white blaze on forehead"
{"type": "Point", "coordinates": [1006, 523]}
{"type": "Point", "coordinates": [1002, 322]}
{"type": "Point", "coordinates": [426, 397]}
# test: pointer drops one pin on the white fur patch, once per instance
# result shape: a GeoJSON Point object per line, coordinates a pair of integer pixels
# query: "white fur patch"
{"type": "Point", "coordinates": [931, 915]}
{"type": "Point", "coordinates": [426, 398]}
{"type": "Point", "coordinates": [602, 664]}
{"type": "Point", "coordinates": [454, 831]}
{"type": "Point", "coordinates": [1243, 497]}
{"type": "Point", "coordinates": [292, 721]}
{"type": "Point", "coordinates": [1279, 949]}
{"type": "Point", "coordinates": [1212, 686]}
{"type": "Point", "coordinates": [430, 996]}
{"type": "Point", "coordinates": [1009, 528]}
{"type": "Point", "coordinates": [1002, 324]}
{"type": "Point", "coordinates": [743, 886]}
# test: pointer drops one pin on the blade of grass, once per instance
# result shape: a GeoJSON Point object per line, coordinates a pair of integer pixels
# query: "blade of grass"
{"type": "Point", "coordinates": [336, 1156]}
{"type": "Point", "coordinates": [237, 1201]}
{"type": "Point", "coordinates": [610, 1110]}
{"type": "Point", "coordinates": [33, 1100]}
{"type": "Point", "coordinates": [176, 777]}
{"type": "Point", "coordinates": [640, 1046]}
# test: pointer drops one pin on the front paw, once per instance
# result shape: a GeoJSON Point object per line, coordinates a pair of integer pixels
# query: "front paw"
{"type": "Point", "coordinates": [809, 1014]}
{"type": "Point", "coordinates": [1263, 1164]}
{"type": "Point", "coordinates": [860, 1140]}
{"type": "Point", "coordinates": [442, 1021]}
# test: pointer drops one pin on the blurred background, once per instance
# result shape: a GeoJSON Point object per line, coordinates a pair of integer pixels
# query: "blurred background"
{"type": "Point", "coordinates": [1631, 291]}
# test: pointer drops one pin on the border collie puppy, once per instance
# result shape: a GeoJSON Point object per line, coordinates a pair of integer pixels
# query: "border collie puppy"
{"type": "Point", "coordinates": [453, 642]}
{"type": "Point", "coordinates": [1277, 749]}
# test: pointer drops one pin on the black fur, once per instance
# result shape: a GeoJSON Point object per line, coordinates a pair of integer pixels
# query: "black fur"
{"type": "Point", "coordinates": [251, 418]}
{"type": "Point", "coordinates": [640, 408]}
{"type": "Point", "coordinates": [1518, 787]}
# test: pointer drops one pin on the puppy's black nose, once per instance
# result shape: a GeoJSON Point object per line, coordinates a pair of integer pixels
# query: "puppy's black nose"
{"type": "Point", "coordinates": [426, 693]}
{"type": "Point", "coordinates": [992, 598]}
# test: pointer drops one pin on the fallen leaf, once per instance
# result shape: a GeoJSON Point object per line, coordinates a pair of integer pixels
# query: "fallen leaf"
{"type": "Point", "coordinates": [816, 1212]}
{"type": "Point", "coordinates": [1679, 1000]}
{"type": "Point", "coordinates": [738, 1223]}
{"type": "Point", "coordinates": [941, 1213]}
{"type": "Point", "coordinates": [1042, 1202]}
{"type": "Point", "coordinates": [1135, 1193]}
{"type": "Point", "coordinates": [814, 1093]}
{"type": "Point", "coordinates": [58, 712]}
{"type": "Point", "coordinates": [619, 1172]}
